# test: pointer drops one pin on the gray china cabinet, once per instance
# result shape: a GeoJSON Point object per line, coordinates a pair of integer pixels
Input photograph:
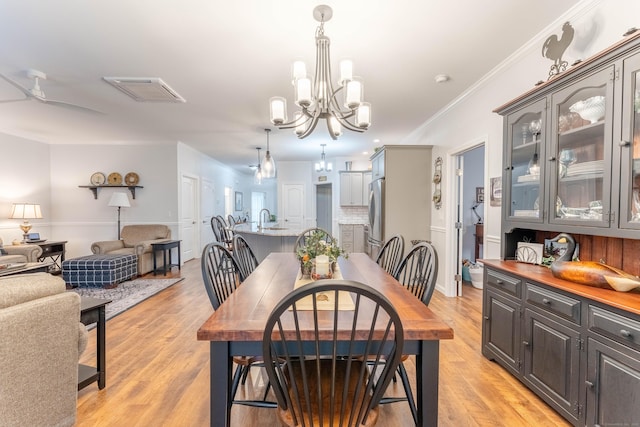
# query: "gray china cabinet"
{"type": "Point", "coordinates": [572, 164]}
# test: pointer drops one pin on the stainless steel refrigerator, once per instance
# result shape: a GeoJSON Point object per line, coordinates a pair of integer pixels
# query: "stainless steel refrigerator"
{"type": "Point", "coordinates": [376, 217]}
{"type": "Point", "coordinates": [400, 196]}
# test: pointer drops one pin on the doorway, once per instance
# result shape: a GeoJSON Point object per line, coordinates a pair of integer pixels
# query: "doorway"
{"type": "Point", "coordinates": [469, 211]}
{"type": "Point", "coordinates": [324, 207]}
{"type": "Point", "coordinates": [189, 212]}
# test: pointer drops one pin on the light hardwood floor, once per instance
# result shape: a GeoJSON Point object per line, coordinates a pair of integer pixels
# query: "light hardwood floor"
{"type": "Point", "coordinates": [158, 373]}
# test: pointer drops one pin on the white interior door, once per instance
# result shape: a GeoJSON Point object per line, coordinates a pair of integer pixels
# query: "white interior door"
{"type": "Point", "coordinates": [207, 205]}
{"type": "Point", "coordinates": [459, 223]}
{"type": "Point", "coordinates": [189, 217]}
{"type": "Point", "coordinates": [293, 205]}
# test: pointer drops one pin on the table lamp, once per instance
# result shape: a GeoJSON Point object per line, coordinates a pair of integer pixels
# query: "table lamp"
{"type": "Point", "coordinates": [119, 200]}
{"type": "Point", "coordinates": [25, 211]}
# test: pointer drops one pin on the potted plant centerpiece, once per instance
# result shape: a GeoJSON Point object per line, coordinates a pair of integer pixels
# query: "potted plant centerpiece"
{"type": "Point", "coordinates": [316, 245]}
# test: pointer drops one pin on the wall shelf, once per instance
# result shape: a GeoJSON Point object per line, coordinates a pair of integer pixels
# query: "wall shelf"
{"type": "Point", "coordinates": [94, 188]}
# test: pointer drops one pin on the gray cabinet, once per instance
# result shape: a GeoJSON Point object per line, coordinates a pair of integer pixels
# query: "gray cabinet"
{"type": "Point", "coordinates": [551, 361]}
{"type": "Point", "coordinates": [578, 353]}
{"type": "Point", "coordinates": [352, 189]}
{"type": "Point", "coordinates": [352, 237]}
{"type": "Point", "coordinates": [583, 131]}
{"type": "Point", "coordinates": [501, 330]}
{"type": "Point", "coordinates": [613, 382]}
{"type": "Point", "coordinates": [377, 164]}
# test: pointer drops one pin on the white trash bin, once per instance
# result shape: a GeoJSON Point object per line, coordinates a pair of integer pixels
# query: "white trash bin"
{"type": "Point", "coordinates": [477, 274]}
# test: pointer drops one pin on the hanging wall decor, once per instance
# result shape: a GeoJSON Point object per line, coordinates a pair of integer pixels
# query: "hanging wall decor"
{"type": "Point", "coordinates": [437, 179]}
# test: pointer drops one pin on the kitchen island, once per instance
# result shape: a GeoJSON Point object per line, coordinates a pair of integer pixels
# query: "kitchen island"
{"type": "Point", "coordinates": [270, 238]}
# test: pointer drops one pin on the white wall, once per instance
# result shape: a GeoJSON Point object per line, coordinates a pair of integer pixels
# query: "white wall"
{"type": "Point", "coordinates": [24, 177]}
{"type": "Point", "coordinates": [80, 219]}
{"type": "Point", "coordinates": [598, 24]}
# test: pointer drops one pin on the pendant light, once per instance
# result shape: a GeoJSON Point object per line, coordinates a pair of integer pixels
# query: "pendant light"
{"type": "Point", "coordinates": [323, 166]}
{"type": "Point", "coordinates": [257, 177]}
{"type": "Point", "coordinates": [269, 166]}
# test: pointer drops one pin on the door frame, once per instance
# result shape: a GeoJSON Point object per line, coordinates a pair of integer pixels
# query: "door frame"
{"type": "Point", "coordinates": [196, 220]}
{"type": "Point", "coordinates": [452, 256]}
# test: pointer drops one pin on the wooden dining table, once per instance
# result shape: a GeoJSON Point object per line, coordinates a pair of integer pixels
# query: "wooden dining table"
{"type": "Point", "coordinates": [237, 327]}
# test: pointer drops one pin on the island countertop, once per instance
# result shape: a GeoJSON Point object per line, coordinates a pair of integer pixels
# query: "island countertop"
{"type": "Point", "coordinates": [268, 229]}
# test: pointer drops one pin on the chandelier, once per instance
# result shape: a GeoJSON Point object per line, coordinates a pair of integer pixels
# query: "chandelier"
{"type": "Point", "coordinates": [269, 166]}
{"type": "Point", "coordinates": [323, 165]}
{"type": "Point", "coordinates": [318, 99]}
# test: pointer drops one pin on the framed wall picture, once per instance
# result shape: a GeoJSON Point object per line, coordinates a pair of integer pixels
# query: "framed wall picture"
{"type": "Point", "coordinates": [238, 201]}
{"type": "Point", "coordinates": [479, 194]}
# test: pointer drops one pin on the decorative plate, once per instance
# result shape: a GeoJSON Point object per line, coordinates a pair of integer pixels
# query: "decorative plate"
{"type": "Point", "coordinates": [131, 178]}
{"type": "Point", "coordinates": [98, 178]}
{"type": "Point", "coordinates": [114, 178]}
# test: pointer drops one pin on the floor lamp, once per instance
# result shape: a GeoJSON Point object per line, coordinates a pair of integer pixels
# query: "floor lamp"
{"type": "Point", "coordinates": [119, 200]}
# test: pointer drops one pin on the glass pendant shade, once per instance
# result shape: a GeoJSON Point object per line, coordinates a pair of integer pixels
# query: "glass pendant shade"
{"type": "Point", "coordinates": [353, 95]}
{"type": "Point", "coordinates": [278, 110]}
{"type": "Point", "coordinates": [334, 127]}
{"type": "Point", "coordinates": [363, 115]}
{"type": "Point", "coordinates": [268, 169]}
{"type": "Point", "coordinates": [346, 70]}
{"type": "Point", "coordinates": [301, 125]}
{"type": "Point", "coordinates": [257, 176]}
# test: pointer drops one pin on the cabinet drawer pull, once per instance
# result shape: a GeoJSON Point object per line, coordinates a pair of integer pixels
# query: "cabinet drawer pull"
{"type": "Point", "coordinates": [486, 317]}
{"type": "Point", "coordinates": [526, 343]}
{"type": "Point", "coordinates": [589, 384]}
{"type": "Point", "coordinates": [499, 282]}
{"type": "Point", "coordinates": [625, 333]}
{"type": "Point", "coordinates": [552, 159]}
{"type": "Point", "coordinates": [546, 301]}
{"type": "Point", "coordinates": [624, 143]}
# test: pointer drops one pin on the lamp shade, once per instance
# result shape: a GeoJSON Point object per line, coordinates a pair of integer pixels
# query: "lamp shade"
{"type": "Point", "coordinates": [120, 200]}
{"type": "Point", "coordinates": [25, 211]}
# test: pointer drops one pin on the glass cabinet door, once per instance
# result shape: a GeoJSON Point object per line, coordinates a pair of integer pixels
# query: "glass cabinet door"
{"type": "Point", "coordinates": [630, 146]}
{"type": "Point", "coordinates": [579, 165]}
{"type": "Point", "coordinates": [524, 166]}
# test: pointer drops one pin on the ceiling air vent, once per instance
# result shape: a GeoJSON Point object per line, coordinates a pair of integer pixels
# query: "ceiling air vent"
{"type": "Point", "coordinates": [145, 89]}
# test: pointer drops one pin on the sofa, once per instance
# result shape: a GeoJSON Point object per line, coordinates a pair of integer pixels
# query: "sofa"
{"type": "Point", "coordinates": [136, 239]}
{"type": "Point", "coordinates": [19, 253]}
{"type": "Point", "coordinates": [42, 339]}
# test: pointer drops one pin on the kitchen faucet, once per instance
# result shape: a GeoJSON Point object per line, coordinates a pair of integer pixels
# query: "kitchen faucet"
{"type": "Point", "coordinates": [260, 217]}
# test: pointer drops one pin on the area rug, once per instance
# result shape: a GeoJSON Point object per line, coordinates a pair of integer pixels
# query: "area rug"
{"type": "Point", "coordinates": [127, 294]}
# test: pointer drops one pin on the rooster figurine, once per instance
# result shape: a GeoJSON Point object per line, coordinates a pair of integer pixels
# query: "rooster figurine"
{"type": "Point", "coordinates": [554, 49]}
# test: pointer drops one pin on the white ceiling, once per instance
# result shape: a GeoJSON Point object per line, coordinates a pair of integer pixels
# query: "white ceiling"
{"type": "Point", "coordinates": [227, 58]}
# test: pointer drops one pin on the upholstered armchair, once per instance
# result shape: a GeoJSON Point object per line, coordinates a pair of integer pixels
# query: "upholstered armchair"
{"type": "Point", "coordinates": [42, 339]}
{"type": "Point", "coordinates": [19, 253]}
{"type": "Point", "coordinates": [136, 239]}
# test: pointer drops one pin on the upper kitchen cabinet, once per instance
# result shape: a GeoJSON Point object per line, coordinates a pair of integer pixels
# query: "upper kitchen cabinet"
{"type": "Point", "coordinates": [377, 165]}
{"type": "Point", "coordinates": [351, 189]}
{"type": "Point", "coordinates": [572, 150]}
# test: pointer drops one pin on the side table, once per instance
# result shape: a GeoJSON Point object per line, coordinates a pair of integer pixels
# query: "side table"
{"type": "Point", "coordinates": [165, 247]}
{"type": "Point", "coordinates": [55, 252]}
{"type": "Point", "coordinates": [92, 310]}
